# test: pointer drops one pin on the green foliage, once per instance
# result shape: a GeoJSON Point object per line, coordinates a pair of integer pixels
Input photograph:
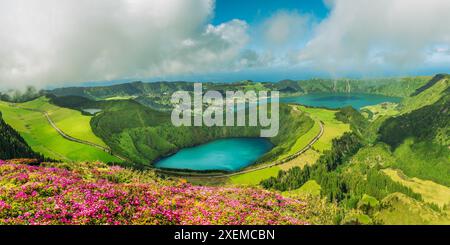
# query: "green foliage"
{"type": "Point", "coordinates": [294, 178]}
{"type": "Point", "coordinates": [340, 182]}
{"type": "Point", "coordinates": [399, 209]}
{"type": "Point", "coordinates": [32, 125]}
{"type": "Point", "coordinates": [358, 123]}
{"type": "Point", "coordinates": [144, 135]}
{"type": "Point", "coordinates": [424, 160]}
{"type": "Point", "coordinates": [430, 123]}
{"type": "Point", "coordinates": [12, 145]}
{"type": "Point", "coordinates": [401, 87]}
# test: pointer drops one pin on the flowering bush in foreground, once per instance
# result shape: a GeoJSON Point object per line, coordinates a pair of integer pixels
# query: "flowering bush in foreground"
{"type": "Point", "coordinates": [94, 193]}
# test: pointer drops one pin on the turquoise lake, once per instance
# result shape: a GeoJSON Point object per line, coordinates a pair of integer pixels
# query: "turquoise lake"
{"type": "Point", "coordinates": [236, 153]}
{"type": "Point", "coordinates": [339, 100]}
{"type": "Point", "coordinates": [224, 154]}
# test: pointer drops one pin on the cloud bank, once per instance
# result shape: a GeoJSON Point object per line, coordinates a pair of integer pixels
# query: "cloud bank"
{"type": "Point", "coordinates": [366, 35]}
{"type": "Point", "coordinates": [55, 41]}
{"type": "Point", "coordinates": [64, 41]}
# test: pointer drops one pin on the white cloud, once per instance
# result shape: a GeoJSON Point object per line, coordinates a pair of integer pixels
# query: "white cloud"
{"type": "Point", "coordinates": [367, 35]}
{"type": "Point", "coordinates": [57, 41]}
{"type": "Point", "coordinates": [285, 26]}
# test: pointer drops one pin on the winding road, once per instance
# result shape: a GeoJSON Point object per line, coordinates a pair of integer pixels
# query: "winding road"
{"type": "Point", "coordinates": [68, 137]}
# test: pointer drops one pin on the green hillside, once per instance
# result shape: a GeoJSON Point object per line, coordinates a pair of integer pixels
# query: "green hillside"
{"type": "Point", "coordinates": [147, 93]}
{"type": "Point", "coordinates": [12, 145]}
{"type": "Point", "coordinates": [144, 135]}
{"type": "Point", "coordinates": [410, 138]}
{"type": "Point", "coordinates": [28, 119]}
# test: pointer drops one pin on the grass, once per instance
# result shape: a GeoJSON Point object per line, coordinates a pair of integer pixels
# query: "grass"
{"type": "Point", "coordinates": [310, 188]}
{"type": "Point", "coordinates": [333, 128]}
{"type": "Point", "coordinates": [303, 140]}
{"type": "Point", "coordinates": [253, 178]}
{"type": "Point", "coordinates": [427, 97]}
{"type": "Point", "coordinates": [308, 158]}
{"type": "Point", "coordinates": [72, 122]}
{"type": "Point", "coordinates": [424, 160]}
{"type": "Point", "coordinates": [431, 192]}
{"type": "Point", "coordinates": [374, 112]}
{"type": "Point", "coordinates": [399, 209]}
{"type": "Point", "coordinates": [120, 98]}
{"type": "Point", "coordinates": [371, 156]}
{"type": "Point", "coordinates": [42, 138]}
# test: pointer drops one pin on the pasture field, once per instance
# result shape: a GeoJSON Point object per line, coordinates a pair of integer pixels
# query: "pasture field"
{"type": "Point", "coordinates": [333, 128]}
{"type": "Point", "coordinates": [120, 98]}
{"type": "Point", "coordinates": [303, 140]}
{"type": "Point", "coordinates": [72, 122]}
{"type": "Point", "coordinates": [374, 112]}
{"type": "Point", "coordinates": [431, 192]}
{"type": "Point", "coordinates": [43, 138]}
{"type": "Point", "coordinates": [310, 188]}
{"type": "Point", "coordinates": [308, 158]}
{"type": "Point", "coordinates": [399, 209]}
{"type": "Point", "coordinates": [253, 178]}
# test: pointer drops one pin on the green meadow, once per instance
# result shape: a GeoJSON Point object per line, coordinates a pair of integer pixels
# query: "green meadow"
{"type": "Point", "coordinates": [431, 192]}
{"type": "Point", "coordinates": [253, 178]}
{"type": "Point", "coordinates": [333, 128]}
{"type": "Point", "coordinates": [43, 138]}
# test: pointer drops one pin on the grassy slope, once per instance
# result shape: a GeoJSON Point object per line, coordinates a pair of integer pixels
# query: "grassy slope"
{"type": "Point", "coordinates": [415, 162]}
{"type": "Point", "coordinates": [332, 129]}
{"type": "Point", "coordinates": [253, 178]}
{"type": "Point", "coordinates": [399, 209]}
{"type": "Point", "coordinates": [430, 191]}
{"type": "Point", "coordinates": [427, 97]}
{"type": "Point", "coordinates": [424, 160]}
{"type": "Point", "coordinates": [72, 122]}
{"type": "Point", "coordinates": [42, 138]}
{"type": "Point", "coordinates": [311, 187]}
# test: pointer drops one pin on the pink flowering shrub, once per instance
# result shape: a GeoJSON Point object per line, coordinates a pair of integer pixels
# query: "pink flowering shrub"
{"type": "Point", "coordinates": [93, 193]}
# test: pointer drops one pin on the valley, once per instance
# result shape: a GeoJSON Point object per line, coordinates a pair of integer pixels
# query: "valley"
{"type": "Point", "coordinates": [380, 162]}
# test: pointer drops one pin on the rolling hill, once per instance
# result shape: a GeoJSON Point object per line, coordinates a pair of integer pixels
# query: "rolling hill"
{"type": "Point", "coordinates": [412, 140]}
{"type": "Point", "coordinates": [12, 145]}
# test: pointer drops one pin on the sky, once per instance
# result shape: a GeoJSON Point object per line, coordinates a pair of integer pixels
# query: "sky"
{"type": "Point", "coordinates": [51, 43]}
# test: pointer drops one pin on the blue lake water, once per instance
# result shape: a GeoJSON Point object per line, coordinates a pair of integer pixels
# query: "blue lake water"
{"type": "Point", "coordinates": [339, 100]}
{"type": "Point", "coordinates": [236, 153]}
{"type": "Point", "coordinates": [224, 154]}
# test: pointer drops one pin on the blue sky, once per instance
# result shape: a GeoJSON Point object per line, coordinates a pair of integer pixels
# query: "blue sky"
{"type": "Point", "coordinates": [253, 11]}
{"type": "Point", "coordinates": [51, 43]}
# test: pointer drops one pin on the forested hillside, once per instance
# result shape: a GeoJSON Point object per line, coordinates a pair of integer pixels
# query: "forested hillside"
{"type": "Point", "coordinates": [12, 145]}
{"type": "Point", "coordinates": [143, 135]}
{"type": "Point", "coordinates": [389, 168]}
{"type": "Point", "coordinates": [399, 87]}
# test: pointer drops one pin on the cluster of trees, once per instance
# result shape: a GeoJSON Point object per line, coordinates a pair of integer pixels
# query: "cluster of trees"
{"type": "Point", "coordinates": [294, 178]}
{"type": "Point", "coordinates": [429, 123]}
{"type": "Point", "coordinates": [18, 96]}
{"type": "Point", "coordinates": [12, 145]}
{"type": "Point", "coordinates": [336, 183]}
{"type": "Point", "coordinates": [143, 135]}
